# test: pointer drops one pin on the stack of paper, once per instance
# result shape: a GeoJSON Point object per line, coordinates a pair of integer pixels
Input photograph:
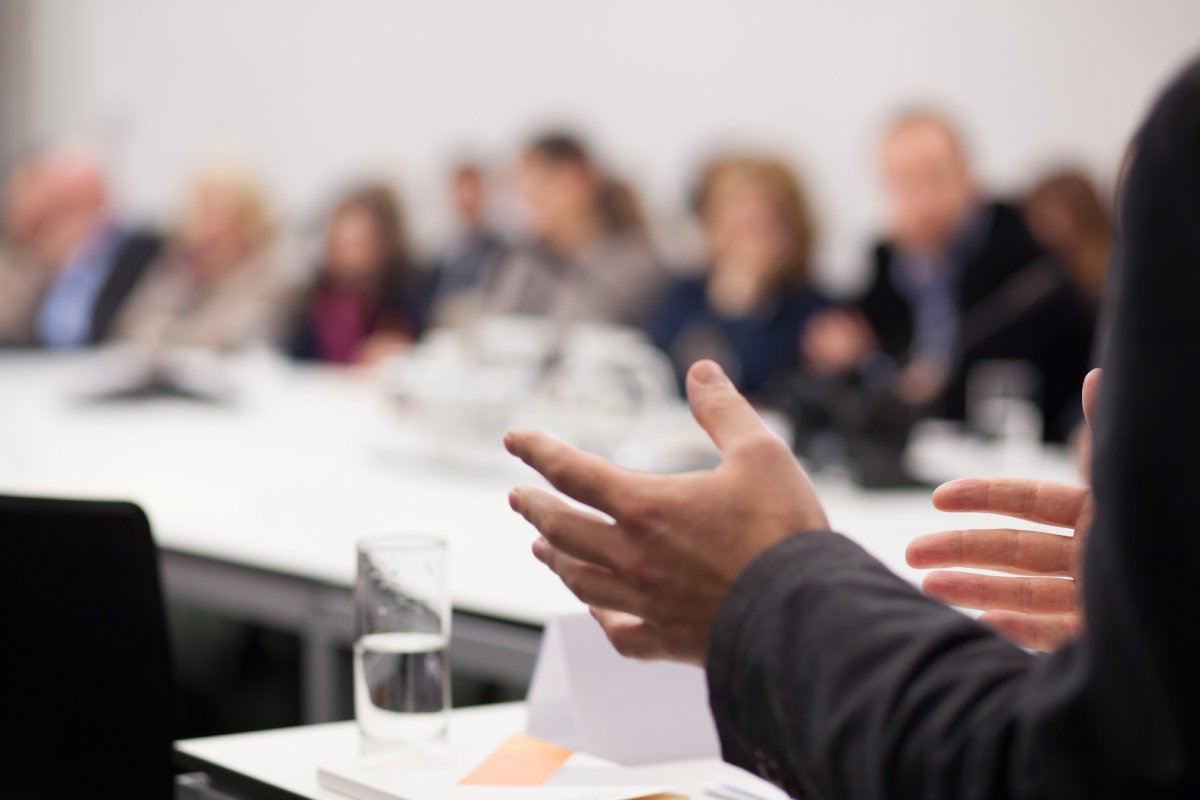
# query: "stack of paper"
{"type": "Point", "coordinates": [520, 767]}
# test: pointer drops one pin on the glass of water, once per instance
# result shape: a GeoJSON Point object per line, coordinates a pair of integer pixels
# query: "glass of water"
{"type": "Point", "coordinates": [402, 636]}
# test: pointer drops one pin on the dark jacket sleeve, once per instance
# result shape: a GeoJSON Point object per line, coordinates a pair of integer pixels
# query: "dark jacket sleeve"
{"type": "Point", "coordinates": [834, 678]}
{"type": "Point", "coordinates": [838, 679]}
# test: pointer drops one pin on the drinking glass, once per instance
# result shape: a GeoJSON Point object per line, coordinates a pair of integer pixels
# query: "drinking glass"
{"type": "Point", "coordinates": [1002, 400]}
{"type": "Point", "coordinates": [1003, 405]}
{"type": "Point", "coordinates": [402, 636]}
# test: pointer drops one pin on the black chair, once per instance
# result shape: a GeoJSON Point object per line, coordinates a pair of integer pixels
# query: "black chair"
{"type": "Point", "coordinates": [86, 692]}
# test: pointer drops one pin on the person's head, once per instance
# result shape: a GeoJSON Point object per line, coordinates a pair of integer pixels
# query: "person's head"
{"type": "Point", "coordinates": [927, 180]}
{"type": "Point", "coordinates": [560, 187]}
{"type": "Point", "coordinates": [620, 210]}
{"type": "Point", "coordinates": [226, 220]}
{"type": "Point", "coordinates": [366, 242]}
{"type": "Point", "coordinates": [1068, 218]}
{"type": "Point", "coordinates": [25, 202]}
{"type": "Point", "coordinates": [756, 218]}
{"type": "Point", "coordinates": [468, 194]}
{"type": "Point", "coordinates": [76, 188]}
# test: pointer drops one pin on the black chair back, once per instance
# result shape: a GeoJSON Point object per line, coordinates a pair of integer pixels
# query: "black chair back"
{"type": "Point", "coordinates": [86, 692]}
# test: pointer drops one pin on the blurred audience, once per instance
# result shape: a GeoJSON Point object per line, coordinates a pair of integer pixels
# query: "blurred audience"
{"type": "Point", "coordinates": [959, 279]}
{"type": "Point", "coordinates": [364, 301]}
{"type": "Point", "coordinates": [215, 286]}
{"type": "Point", "coordinates": [748, 307]}
{"type": "Point", "coordinates": [590, 259]}
{"type": "Point", "coordinates": [94, 261]}
{"type": "Point", "coordinates": [1069, 220]}
{"type": "Point", "coordinates": [22, 281]}
{"type": "Point", "coordinates": [465, 269]}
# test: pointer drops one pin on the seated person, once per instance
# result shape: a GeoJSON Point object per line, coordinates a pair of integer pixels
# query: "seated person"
{"type": "Point", "coordinates": [363, 302]}
{"type": "Point", "coordinates": [959, 280]}
{"type": "Point", "coordinates": [22, 280]}
{"type": "Point", "coordinates": [94, 262]}
{"type": "Point", "coordinates": [215, 287]}
{"type": "Point", "coordinates": [747, 310]}
{"type": "Point", "coordinates": [464, 270]}
{"type": "Point", "coordinates": [589, 259]}
{"type": "Point", "coordinates": [1067, 217]}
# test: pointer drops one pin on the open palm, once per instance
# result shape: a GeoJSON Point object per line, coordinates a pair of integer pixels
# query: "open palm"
{"type": "Point", "coordinates": [1040, 605]}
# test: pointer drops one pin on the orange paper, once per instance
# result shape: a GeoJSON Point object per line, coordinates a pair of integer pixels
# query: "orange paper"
{"type": "Point", "coordinates": [520, 761]}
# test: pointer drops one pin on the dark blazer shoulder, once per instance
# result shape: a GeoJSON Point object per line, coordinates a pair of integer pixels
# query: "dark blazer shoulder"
{"type": "Point", "coordinates": [886, 311]}
{"type": "Point", "coordinates": [138, 250]}
{"type": "Point", "coordinates": [1005, 248]}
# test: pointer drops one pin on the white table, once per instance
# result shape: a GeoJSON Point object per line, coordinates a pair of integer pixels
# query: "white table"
{"type": "Point", "coordinates": [257, 506]}
{"type": "Point", "coordinates": [270, 765]}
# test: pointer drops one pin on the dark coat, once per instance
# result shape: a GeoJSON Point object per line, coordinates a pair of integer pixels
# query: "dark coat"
{"type": "Point", "coordinates": [1014, 302]}
{"type": "Point", "coordinates": [838, 679]}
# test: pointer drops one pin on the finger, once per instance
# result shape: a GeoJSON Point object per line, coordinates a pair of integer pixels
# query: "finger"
{"type": "Point", "coordinates": [575, 532]}
{"type": "Point", "coordinates": [1091, 395]}
{"type": "Point", "coordinates": [725, 415]}
{"type": "Point", "coordinates": [1047, 502]}
{"type": "Point", "coordinates": [1001, 549]}
{"type": "Point", "coordinates": [587, 478]}
{"type": "Point", "coordinates": [994, 593]}
{"type": "Point", "coordinates": [1035, 631]}
{"type": "Point", "coordinates": [631, 635]}
{"type": "Point", "coordinates": [592, 584]}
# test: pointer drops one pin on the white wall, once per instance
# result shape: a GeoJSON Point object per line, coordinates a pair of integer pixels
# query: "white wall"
{"type": "Point", "coordinates": [318, 91]}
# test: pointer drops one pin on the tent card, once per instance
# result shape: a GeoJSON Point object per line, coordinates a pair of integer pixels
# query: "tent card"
{"type": "Point", "coordinates": [585, 696]}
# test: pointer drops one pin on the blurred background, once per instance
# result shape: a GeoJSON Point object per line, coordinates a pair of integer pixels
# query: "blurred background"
{"type": "Point", "coordinates": [283, 272]}
{"type": "Point", "coordinates": [319, 93]}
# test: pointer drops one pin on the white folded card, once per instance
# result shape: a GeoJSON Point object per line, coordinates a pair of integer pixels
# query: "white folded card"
{"type": "Point", "coordinates": [587, 697]}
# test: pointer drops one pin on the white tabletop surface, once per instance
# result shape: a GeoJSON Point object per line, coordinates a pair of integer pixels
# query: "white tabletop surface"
{"type": "Point", "coordinates": [309, 460]}
{"type": "Point", "coordinates": [288, 758]}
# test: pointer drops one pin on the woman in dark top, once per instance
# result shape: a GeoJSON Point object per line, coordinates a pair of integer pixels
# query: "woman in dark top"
{"type": "Point", "coordinates": [364, 302]}
{"type": "Point", "coordinates": [747, 309]}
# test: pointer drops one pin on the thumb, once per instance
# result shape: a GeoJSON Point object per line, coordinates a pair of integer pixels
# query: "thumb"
{"type": "Point", "coordinates": [1091, 396]}
{"type": "Point", "coordinates": [726, 416]}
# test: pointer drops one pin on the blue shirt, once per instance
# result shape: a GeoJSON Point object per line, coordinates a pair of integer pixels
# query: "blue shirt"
{"type": "Point", "coordinates": [753, 350]}
{"type": "Point", "coordinates": [930, 284]}
{"type": "Point", "coordinates": [65, 318]}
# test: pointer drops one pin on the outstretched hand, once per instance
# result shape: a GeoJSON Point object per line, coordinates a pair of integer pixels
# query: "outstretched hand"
{"type": "Point", "coordinates": [1039, 609]}
{"type": "Point", "coordinates": [656, 563]}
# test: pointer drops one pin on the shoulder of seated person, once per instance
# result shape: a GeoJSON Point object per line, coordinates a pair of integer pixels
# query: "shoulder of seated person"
{"type": "Point", "coordinates": [142, 238]}
{"type": "Point", "coordinates": [881, 252]}
{"type": "Point", "coordinates": [1004, 211]}
{"type": "Point", "coordinates": [807, 295]}
{"type": "Point", "coordinates": [624, 244]}
{"type": "Point", "coordinates": [688, 279]}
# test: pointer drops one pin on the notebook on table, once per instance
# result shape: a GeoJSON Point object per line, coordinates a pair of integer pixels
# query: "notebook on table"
{"type": "Point", "coordinates": [516, 767]}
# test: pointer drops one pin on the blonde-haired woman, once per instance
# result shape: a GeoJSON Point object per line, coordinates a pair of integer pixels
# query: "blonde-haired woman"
{"type": "Point", "coordinates": [753, 298]}
{"type": "Point", "coordinates": [216, 286]}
